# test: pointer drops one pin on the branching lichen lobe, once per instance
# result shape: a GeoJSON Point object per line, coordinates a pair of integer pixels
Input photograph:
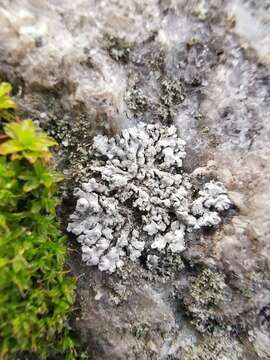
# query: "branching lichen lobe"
{"type": "Point", "coordinates": [139, 200]}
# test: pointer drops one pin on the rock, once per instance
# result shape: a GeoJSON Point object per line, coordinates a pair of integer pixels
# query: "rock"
{"type": "Point", "coordinates": [214, 58]}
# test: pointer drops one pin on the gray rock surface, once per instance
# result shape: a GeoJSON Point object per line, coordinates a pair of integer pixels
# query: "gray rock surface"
{"type": "Point", "coordinates": [93, 67]}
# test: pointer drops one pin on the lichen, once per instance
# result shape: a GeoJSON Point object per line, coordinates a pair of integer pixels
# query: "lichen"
{"type": "Point", "coordinates": [167, 266]}
{"type": "Point", "coordinates": [139, 201]}
{"type": "Point", "coordinates": [213, 348]}
{"type": "Point", "coordinates": [206, 293]}
{"type": "Point", "coordinates": [208, 288]}
{"type": "Point", "coordinates": [172, 94]}
{"type": "Point", "coordinates": [136, 99]}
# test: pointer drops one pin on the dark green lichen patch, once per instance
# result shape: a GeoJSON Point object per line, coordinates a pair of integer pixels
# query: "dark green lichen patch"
{"type": "Point", "coordinates": [118, 48]}
{"type": "Point", "coordinates": [172, 94]}
{"type": "Point", "coordinates": [74, 132]}
{"type": "Point", "coordinates": [207, 291]}
{"type": "Point", "coordinates": [208, 288]}
{"type": "Point", "coordinates": [136, 100]}
{"type": "Point", "coordinates": [163, 113]}
{"type": "Point", "coordinates": [167, 266]}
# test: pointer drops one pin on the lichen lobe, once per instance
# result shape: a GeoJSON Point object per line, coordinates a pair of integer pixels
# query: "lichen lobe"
{"type": "Point", "coordinates": [139, 200]}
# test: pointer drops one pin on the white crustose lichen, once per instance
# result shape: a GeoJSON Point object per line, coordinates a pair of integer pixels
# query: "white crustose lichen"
{"type": "Point", "coordinates": [139, 199]}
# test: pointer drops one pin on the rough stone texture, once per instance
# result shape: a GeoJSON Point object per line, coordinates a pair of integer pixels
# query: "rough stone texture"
{"type": "Point", "coordinates": [203, 65]}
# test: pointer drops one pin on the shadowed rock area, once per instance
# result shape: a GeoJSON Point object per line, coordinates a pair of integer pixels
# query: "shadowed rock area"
{"type": "Point", "coordinates": [94, 67]}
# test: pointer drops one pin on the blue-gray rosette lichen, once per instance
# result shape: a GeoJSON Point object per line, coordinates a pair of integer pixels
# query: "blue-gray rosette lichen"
{"type": "Point", "coordinates": [139, 200]}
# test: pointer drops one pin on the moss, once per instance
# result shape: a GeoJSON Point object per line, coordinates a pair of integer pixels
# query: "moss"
{"type": "Point", "coordinates": [7, 105]}
{"type": "Point", "coordinates": [36, 293]}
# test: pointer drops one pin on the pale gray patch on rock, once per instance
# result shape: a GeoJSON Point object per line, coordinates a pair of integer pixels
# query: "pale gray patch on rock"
{"type": "Point", "coordinates": [140, 200]}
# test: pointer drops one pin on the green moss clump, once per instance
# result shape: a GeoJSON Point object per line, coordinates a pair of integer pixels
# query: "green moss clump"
{"type": "Point", "coordinates": [36, 292]}
{"type": "Point", "coordinates": [7, 105]}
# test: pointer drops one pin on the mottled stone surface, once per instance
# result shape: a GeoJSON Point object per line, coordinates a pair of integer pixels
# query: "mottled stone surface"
{"type": "Point", "coordinates": [88, 67]}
